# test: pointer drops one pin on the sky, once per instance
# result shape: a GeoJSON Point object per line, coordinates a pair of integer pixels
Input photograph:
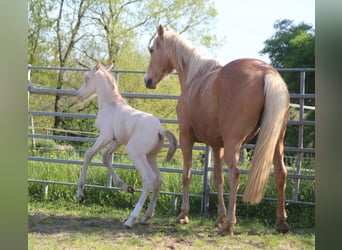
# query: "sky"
{"type": "Point", "coordinates": [246, 24]}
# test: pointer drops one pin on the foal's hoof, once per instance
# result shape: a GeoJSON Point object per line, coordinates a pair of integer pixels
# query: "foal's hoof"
{"type": "Point", "coordinates": [130, 190]}
{"type": "Point", "coordinates": [282, 227]}
{"type": "Point", "coordinates": [80, 199]}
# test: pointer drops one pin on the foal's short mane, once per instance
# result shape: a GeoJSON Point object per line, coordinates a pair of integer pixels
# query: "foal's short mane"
{"type": "Point", "coordinates": [186, 53]}
{"type": "Point", "coordinates": [111, 79]}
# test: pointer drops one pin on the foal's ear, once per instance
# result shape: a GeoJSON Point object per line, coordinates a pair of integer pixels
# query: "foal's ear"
{"type": "Point", "coordinates": [160, 30]}
{"type": "Point", "coordinates": [109, 67]}
{"type": "Point", "coordinates": [97, 67]}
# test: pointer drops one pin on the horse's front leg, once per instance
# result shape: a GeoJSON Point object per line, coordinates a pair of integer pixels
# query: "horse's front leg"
{"type": "Point", "coordinates": [101, 141]}
{"type": "Point", "coordinates": [113, 146]}
{"type": "Point", "coordinates": [186, 147]}
{"type": "Point", "coordinates": [219, 184]}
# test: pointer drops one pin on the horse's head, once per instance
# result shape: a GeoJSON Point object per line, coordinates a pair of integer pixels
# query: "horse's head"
{"type": "Point", "coordinates": [160, 64]}
{"type": "Point", "coordinates": [90, 82]}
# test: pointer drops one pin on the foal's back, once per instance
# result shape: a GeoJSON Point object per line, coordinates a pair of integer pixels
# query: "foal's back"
{"type": "Point", "coordinates": [132, 123]}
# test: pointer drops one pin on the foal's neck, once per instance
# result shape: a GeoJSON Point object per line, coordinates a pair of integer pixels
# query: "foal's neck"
{"type": "Point", "coordinates": [108, 95]}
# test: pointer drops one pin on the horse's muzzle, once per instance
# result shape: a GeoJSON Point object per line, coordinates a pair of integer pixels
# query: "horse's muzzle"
{"type": "Point", "coordinates": [149, 84]}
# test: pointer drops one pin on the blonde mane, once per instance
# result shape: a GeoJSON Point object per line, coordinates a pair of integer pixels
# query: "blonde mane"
{"type": "Point", "coordinates": [111, 79]}
{"type": "Point", "coordinates": [186, 53]}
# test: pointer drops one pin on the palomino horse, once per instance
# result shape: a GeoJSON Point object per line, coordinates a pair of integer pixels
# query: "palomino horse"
{"type": "Point", "coordinates": [224, 107]}
{"type": "Point", "coordinates": [120, 124]}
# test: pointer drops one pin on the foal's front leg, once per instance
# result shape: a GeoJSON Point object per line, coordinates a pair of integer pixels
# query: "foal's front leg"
{"type": "Point", "coordinates": [101, 141]}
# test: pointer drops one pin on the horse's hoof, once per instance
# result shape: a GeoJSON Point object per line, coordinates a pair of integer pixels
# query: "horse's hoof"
{"type": "Point", "coordinates": [183, 220]}
{"type": "Point", "coordinates": [219, 222]}
{"type": "Point", "coordinates": [282, 227]}
{"type": "Point", "coordinates": [226, 231]}
{"type": "Point", "coordinates": [130, 190]}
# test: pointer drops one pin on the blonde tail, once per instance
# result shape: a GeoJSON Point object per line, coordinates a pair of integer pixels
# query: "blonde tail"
{"type": "Point", "coordinates": [275, 109]}
{"type": "Point", "coordinates": [172, 146]}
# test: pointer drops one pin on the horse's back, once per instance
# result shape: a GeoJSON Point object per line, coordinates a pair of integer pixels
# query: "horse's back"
{"type": "Point", "coordinates": [239, 87]}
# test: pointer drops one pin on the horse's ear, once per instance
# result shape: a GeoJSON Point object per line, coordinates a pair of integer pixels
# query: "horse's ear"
{"type": "Point", "coordinates": [109, 67]}
{"type": "Point", "coordinates": [160, 30]}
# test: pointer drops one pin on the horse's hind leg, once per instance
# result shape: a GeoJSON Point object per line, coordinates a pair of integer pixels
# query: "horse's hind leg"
{"type": "Point", "coordinates": [280, 174]}
{"type": "Point", "coordinates": [113, 146]}
{"type": "Point", "coordinates": [156, 188]}
{"type": "Point", "coordinates": [231, 155]}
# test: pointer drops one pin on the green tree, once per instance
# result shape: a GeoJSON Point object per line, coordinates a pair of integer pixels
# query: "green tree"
{"type": "Point", "coordinates": [69, 32]}
{"type": "Point", "coordinates": [293, 46]}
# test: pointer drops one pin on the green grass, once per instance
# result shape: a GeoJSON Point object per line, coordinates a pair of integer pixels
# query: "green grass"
{"type": "Point", "coordinates": [299, 216]}
{"type": "Point", "coordinates": [72, 226]}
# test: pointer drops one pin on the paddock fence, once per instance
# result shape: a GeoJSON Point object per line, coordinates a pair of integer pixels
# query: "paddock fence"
{"type": "Point", "coordinates": [297, 153]}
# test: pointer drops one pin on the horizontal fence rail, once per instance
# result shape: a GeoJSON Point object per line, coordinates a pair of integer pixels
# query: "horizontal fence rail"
{"type": "Point", "coordinates": [207, 168]}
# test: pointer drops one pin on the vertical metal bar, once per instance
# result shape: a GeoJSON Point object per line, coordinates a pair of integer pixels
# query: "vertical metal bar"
{"type": "Point", "coordinates": [45, 191]}
{"type": "Point", "coordinates": [174, 204]}
{"type": "Point", "coordinates": [300, 135]}
{"type": "Point", "coordinates": [110, 177]}
{"type": "Point", "coordinates": [33, 144]}
{"type": "Point", "coordinates": [116, 77]}
{"type": "Point", "coordinates": [206, 184]}
{"type": "Point", "coordinates": [28, 105]}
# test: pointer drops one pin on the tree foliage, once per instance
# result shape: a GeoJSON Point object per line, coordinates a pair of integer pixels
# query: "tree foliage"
{"type": "Point", "coordinates": [293, 46]}
{"type": "Point", "coordinates": [70, 33]}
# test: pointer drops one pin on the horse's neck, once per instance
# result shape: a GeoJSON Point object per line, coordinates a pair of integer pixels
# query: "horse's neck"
{"type": "Point", "coordinates": [182, 70]}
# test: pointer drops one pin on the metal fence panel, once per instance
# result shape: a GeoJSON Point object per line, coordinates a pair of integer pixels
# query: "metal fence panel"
{"type": "Point", "coordinates": [207, 169]}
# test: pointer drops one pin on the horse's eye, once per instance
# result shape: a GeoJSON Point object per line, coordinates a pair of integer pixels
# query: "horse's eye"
{"type": "Point", "coordinates": [151, 50]}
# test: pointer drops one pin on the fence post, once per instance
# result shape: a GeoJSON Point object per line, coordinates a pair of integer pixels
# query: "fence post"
{"type": "Point", "coordinates": [206, 180]}
{"type": "Point", "coordinates": [110, 177]}
{"type": "Point", "coordinates": [300, 135]}
{"type": "Point", "coordinates": [29, 84]}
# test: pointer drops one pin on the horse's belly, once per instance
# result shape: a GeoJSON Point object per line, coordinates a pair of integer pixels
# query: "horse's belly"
{"type": "Point", "coordinates": [207, 132]}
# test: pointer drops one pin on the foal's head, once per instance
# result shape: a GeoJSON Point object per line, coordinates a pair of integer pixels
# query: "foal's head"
{"type": "Point", "coordinates": [160, 64]}
{"type": "Point", "coordinates": [91, 81]}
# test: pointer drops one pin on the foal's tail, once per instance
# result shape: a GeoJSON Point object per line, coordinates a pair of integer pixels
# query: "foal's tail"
{"type": "Point", "coordinates": [173, 143]}
{"type": "Point", "coordinates": [275, 109]}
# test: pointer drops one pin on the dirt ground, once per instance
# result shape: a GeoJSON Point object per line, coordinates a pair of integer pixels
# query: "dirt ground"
{"type": "Point", "coordinates": [64, 231]}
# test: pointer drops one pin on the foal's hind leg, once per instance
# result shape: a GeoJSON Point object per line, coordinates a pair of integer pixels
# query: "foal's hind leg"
{"type": "Point", "coordinates": [156, 188]}
{"type": "Point", "coordinates": [113, 146]}
{"type": "Point", "coordinates": [148, 178]}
